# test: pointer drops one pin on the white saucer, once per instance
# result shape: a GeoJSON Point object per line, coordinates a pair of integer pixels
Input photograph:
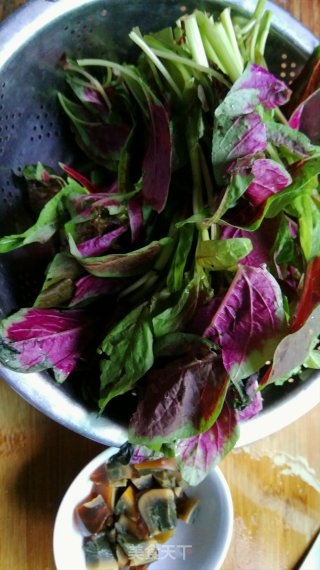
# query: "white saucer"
{"type": "Point", "coordinates": [202, 545]}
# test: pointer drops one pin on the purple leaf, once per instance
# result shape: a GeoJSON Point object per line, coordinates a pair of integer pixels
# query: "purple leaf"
{"type": "Point", "coordinates": [93, 96]}
{"type": "Point", "coordinates": [185, 402]}
{"type": "Point", "coordinates": [156, 165]}
{"type": "Point", "coordinates": [252, 139]}
{"type": "Point", "coordinates": [197, 455]}
{"type": "Point", "coordinates": [203, 316]}
{"type": "Point", "coordinates": [238, 128]}
{"type": "Point", "coordinates": [305, 319]}
{"type": "Point", "coordinates": [38, 339]}
{"type": "Point", "coordinates": [101, 244]}
{"type": "Point", "coordinates": [249, 323]}
{"type": "Point", "coordinates": [295, 119]}
{"type": "Point", "coordinates": [302, 172]}
{"type": "Point", "coordinates": [142, 453]}
{"type": "Point", "coordinates": [106, 139]}
{"type": "Point", "coordinates": [89, 288]}
{"type": "Point", "coordinates": [294, 348]}
{"type": "Point", "coordinates": [269, 178]}
{"type": "Point", "coordinates": [94, 101]}
{"type": "Point", "coordinates": [271, 91]}
{"type": "Point", "coordinates": [306, 118]}
{"type": "Point", "coordinates": [255, 403]}
{"type": "Point", "coordinates": [130, 454]}
{"type": "Point", "coordinates": [135, 216]}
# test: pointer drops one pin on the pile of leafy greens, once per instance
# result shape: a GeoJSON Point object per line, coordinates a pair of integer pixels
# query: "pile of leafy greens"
{"type": "Point", "coordinates": [187, 244]}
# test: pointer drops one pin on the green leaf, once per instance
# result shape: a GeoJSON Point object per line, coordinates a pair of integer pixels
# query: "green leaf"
{"type": "Point", "coordinates": [313, 360]}
{"type": "Point", "coordinates": [52, 216]}
{"type": "Point", "coordinates": [294, 143]}
{"type": "Point", "coordinates": [123, 264]}
{"type": "Point", "coordinates": [194, 219]}
{"type": "Point", "coordinates": [219, 255]}
{"type": "Point", "coordinates": [127, 354]}
{"type": "Point", "coordinates": [58, 287]}
{"type": "Point", "coordinates": [239, 183]}
{"type": "Point", "coordinates": [175, 317]}
{"type": "Point", "coordinates": [176, 272]}
{"type": "Point", "coordinates": [309, 225]}
{"type": "Point", "coordinates": [194, 126]}
{"type": "Point", "coordinates": [178, 343]}
{"type": "Point", "coordinates": [284, 249]}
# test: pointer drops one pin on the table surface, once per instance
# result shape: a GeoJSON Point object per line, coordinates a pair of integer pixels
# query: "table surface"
{"type": "Point", "coordinates": [274, 482]}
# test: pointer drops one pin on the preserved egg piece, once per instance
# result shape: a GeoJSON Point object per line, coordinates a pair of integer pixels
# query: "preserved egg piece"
{"type": "Point", "coordinates": [127, 503]}
{"type": "Point", "coordinates": [187, 507]}
{"type": "Point", "coordinates": [108, 491]}
{"type": "Point", "coordinates": [98, 553]}
{"type": "Point", "coordinates": [156, 465]}
{"type": "Point", "coordinates": [168, 479]}
{"type": "Point", "coordinates": [122, 558]}
{"type": "Point", "coordinates": [164, 536]}
{"type": "Point", "coordinates": [139, 552]}
{"type": "Point", "coordinates": [158, 510]}
{"type": "Point", "coordinates": [94, 514]}
{"type": "Point", "coordinates": [143, 482]}
{"type": "Point", "coordinates": [135, 528]}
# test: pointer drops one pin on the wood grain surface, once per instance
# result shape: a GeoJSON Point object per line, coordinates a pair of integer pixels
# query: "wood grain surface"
{"type": "Point", "coordinates": [274, 482]}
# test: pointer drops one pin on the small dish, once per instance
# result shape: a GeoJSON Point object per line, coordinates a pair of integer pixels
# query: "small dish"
{"type": "Point", "coordinates": [202, 545]}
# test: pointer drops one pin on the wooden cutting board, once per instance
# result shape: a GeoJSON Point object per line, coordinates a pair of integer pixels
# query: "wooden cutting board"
{"type": "Point", "coordinates": [274, 483]}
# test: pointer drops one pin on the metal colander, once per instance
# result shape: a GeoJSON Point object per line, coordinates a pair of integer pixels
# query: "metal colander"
{"type": "Point", "coordinates": [33, 128]}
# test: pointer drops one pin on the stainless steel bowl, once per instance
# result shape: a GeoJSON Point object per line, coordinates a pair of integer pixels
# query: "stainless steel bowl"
{"type": "Point", "coordinates": [33, 128]}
